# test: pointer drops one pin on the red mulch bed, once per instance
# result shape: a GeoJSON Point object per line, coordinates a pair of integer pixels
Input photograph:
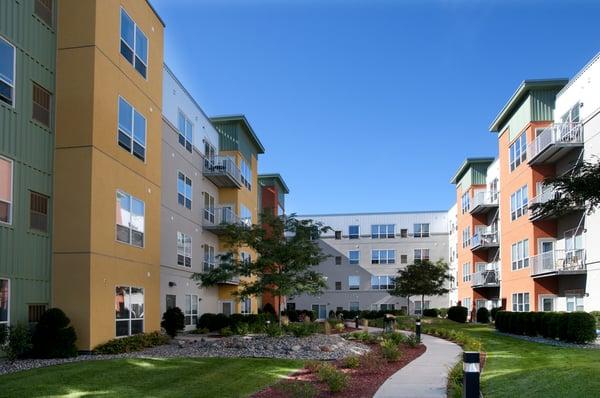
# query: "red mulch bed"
{"type": "Point", "coordinates": [363, 382]}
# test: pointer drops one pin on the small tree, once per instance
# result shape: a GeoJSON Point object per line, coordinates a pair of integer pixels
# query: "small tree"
{"type": "Point", "coordinates": [287, 251]}
{"type": "Point", "coordinates": [53, 336]}
{"type": "Point", "coordinates": [173, 321]}
{"type": "Point", "coordinates": [423, 278]}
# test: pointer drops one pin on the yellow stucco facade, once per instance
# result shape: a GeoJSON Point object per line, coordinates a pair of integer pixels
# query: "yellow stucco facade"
{"type": "Point", "coordinates": [90, 166]}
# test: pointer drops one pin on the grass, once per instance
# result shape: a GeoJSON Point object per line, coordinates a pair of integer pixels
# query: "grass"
{"type": "Point", "coordinates": [516, 368]}
{"type": "Point", "coordinates": [173, 377]}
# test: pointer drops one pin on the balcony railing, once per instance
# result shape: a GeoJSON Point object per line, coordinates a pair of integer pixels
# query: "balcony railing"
{"type": "Point", "coordinates": [545, 196]}
{"type": "Point", "coordinates": [554, 141]}
{"type": "Point", "coordinates": [486, 278]}
{"type": "Point", "coordinates": [484, 201]}
{"type": "Point", "coordinates": [484, 239]}
{"type": "Point", "coordinates": [222, 171]}
{"type": "Point", "coordinates": [558, 262]}
{"type": "Point", "coordinates": [216, 219]}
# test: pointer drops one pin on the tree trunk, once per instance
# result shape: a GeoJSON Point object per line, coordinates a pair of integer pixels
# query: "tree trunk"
{"type": "Point", "coordinates": [422, 304]}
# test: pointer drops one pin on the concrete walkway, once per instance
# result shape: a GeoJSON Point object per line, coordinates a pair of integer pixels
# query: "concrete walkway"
{"type": "Point", "coordinates": [426, 376]}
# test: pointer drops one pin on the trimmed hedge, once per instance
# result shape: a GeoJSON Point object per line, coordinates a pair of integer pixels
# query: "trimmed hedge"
{"type": "Point", "coordinates": [574, 327]}
{"type": "Point", "coordinates": [458, 314]}
{"type": "Point", "coordinates": [431, 312]}
{"type": "Point", "coordinates": [494, 311]}
{"type": "Point", "coordinates": [137, 342]}
{"type": "Point", "coordinates": [217, 322]}
{"type": "Point", "coordinates": [483, 315]}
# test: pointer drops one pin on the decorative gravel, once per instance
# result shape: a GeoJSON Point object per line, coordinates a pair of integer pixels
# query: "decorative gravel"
{"type": "Point", "coordinates": [557, 343]}
{"type": "Point", "coordinates": [318, 346]}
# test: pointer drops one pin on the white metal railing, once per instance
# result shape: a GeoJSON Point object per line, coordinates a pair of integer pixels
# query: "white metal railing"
{"type": "Point", "coordinates": [218, 165]}
{"type": "Point", "coordinates": [558, 260]}
{"type": "Point", "coordinates": [485, 238]}
{"type": "Point", "coordinates": [546, 195]}
{"type": "Point", "coordinates": [214, 216]}
{"type": "Point", "coordinates": [556, 133]}
{"type": "Point", "coordinates": [484, 198]}
{"type": "Point", "coordinates": [488, 277]}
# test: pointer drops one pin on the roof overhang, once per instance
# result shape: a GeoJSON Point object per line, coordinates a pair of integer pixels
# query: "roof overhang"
{"type": "Point", "coordinates": [468, 163]}
{"type": "Point", "coordinates": [242, 119]}
{"type": "Point", "coordinates": [277, 177]}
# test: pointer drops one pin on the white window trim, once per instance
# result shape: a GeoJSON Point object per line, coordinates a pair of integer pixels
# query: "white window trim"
{"type": "Point", "coordinates": [513, 303]}
{"type": "Point", "coordinates": [130, 229]}
{"type": "Point", "coordinates": [135, 26]}
{"type": "Point", "coordinates": [519, 207]}
{"type": "Point", "coordinates": [182, 133]}
{"type": "Point", "coordinates": [381, 235]}
{"type": "Point", "coordinates": [7, 322]}
{"type": "Point", "coordinates": [387, 256]}
{"type": "Point", "coordinates": [130, 318]}
{"type": "Point", "coordinates": [523, 157]}
{"type": "Point", "coordinates": [191, 313]}
{"type": "Point", "coordinates": [191, 198]}
{"type": "Point", "coordinates": [133, 111]}
{"type": "Point", "coordinates": [13, 85]}
{"type": "Point", "coordinates": [183, 254]}
{"type": "Point", "coordinates": [350, 305]}
{"type": "Point", "coordinates": [421, 234]}
{"type": "Point", "coordinates": [350, 285]}
{"type": "Point", "coordinates": [350, 236]}
{"type": "Point", "coordinates": [421, 254]}
{"type": "Point", "coordinates": [523, 258]}
{"type": "Point", "coordinates": [231, 303]}
{"type": "Point", "coordinates": [210, 260]}
{"type": "Point", "coordinates": [12, 191]}
{"type": "Point", "coordinates": [350, 259]}
{"type": "Point", "coordinates": [541, 298]}
{"type": "Point", "coordinates": [243, 304]}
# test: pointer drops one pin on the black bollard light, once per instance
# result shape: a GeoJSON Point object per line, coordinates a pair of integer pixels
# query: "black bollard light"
{"type": "Point", "coordinates": [356, 321]}
{"type": "Point", "coordinates": [471, 368]}
{"type": "Point", "coordinates": [418, 329]}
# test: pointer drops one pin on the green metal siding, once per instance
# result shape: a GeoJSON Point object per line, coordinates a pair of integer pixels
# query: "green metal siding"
{"type": "Point", "coordinates": [478, 173]}
{"type": "Point", "coordinates": [465, 181]}
{"type": "Point", "coordinates": [235, 137]}
{"type": "Point", "coordinates": [542, 105]}
{"type": "Point", "coordinates": [25, 255]}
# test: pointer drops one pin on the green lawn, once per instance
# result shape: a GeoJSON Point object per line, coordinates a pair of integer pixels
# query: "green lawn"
{"type": "Point", "coordinates": [180, 377]}
{"type": "Point", "coordinates": [517, 368]}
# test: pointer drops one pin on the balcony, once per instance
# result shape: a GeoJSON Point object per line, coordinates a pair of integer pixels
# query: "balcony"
{"type": "Point", "coordinates": [485, 240]}
{"type": "Point", "coordinates": [222, 171]}
{"type": "Point", "coordinates": [217, 219]}
{"type": "Point", "coordinates": [545, 196]}
{"type": "Point", "coordinates": [486, 278]}
{"type": "Point", "coordinates": [233, 281]}
{"type": "Point", "coordinates": [483, 202]}
{"type": "Point", "coordinates": [558, 262]}
{"type": "Point", "coordinates": [554, 142]}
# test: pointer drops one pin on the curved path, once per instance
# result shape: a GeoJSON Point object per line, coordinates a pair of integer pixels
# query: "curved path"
{"type": "Point", "coordinates": [426, 376]}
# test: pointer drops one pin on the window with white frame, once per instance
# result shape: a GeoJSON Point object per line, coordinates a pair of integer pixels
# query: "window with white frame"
{"type": "Point", "coordinates": [353, 232]}
{"type": "Point", "coordinates": [493, 187]}
{"type": "Point", "coordinates": [354, 257]}
{"type": "Point", "coordinates": [129, 310]}
{"type": "Point", "coordinates": [130, 219]}
{"type": "Point", "coordinates": [466, 274]}
{"type": "Point", "coordinates": [382, 282]}
{"type": "Point", "coordinates": [467, 303]}
{"type": "Point", "coordinates": [184, 190]}
{"type": "Point", "coordinates": [383, 256]}
{"type": "Point", "coordinates": [520, 255]}
{"type": "Point", "coordinates": [354, 306]}
{"type": "Point", "coordinates": [6, 190]}
{"type": "Point", "coordinates": [418, 308]}
{"type": "Point", "coordinates": [518, 203]}
{"type": "Point", "coordinates": [383, 231]}
{"type": "Point", "coordinates": [574, 303]}
{"type": "Point", "coordinates": [245, 215]}
{"type": "Point", "coordinates": [421, 230]}
{"type": "Point", "coordinates": [209, 258]}
{"type": "Point", "coordinates": [246, 306]}
{"type": "Point", "coordinates": [184, 249]}
{"type": "Point", "coordinates": [465, 202]}
{"type": "Point", "coordinates": [421, 254]}
{"type": "Point", "coordinates": [134, 44]}
{"type": "Point", "coordinates": [572, 115]}
{"type": "Point", "coordinates": [209, 207]}
{"type": "Point", "coordinates": [209, 149]}
{"type": "Point", "coordinates": [246, 170]}
{"type": "Point", "coordinates": [7, 72]}
{"type": "Point", "coordinates": [132, 130]}
{"type": "Point", "coordinates": [466, 237]}
{"type": "Point", "coordinates": [517, 152]}
{"type": "Point", "coordinates": [191, 310]}
{"type": "Point", "coordinates": [4, 301]}
{"type": "Point", "coordinates": [185, 129]}
{"type": "Point", "coordinates": [520, 302]}
{"type": "Point", "coordinates": [354, 282]}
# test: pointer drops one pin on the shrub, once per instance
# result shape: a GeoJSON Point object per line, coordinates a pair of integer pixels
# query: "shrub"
{"type": "Point", "coordinates": [269, 309]}
{"type": "Point", "coordinates": [241, 329]}
{"type": "Point", "coordinates": [431, 312]}
{"type": "Point", "coordinates": [313, 365]}
{"type": "Point", "coordinates": [397, 338]}
{"type": "Point", "coordinates": [455, 380]}
{"type": "Point", "coordinates": [531, 324]}
{"type": "Point", "coordinates": [303, 329]}
{"type": "Point", "coordinates": [458, 314]}
{"type": "Point", "coordinates": [340, 327]}
{"type": "Point", "coordinates": [443, 312]}
{"type": "Point", "coordinates": [137, 342]}
{"type": "Point", "coordinates": [53, 337]}
{"type": "Point", "coordinates": [483, 315]}
{"type": "Point", "coordinates": [581, 327]}
{"type": "Point", "coordinates": [412, 341]}
{"type": "Point", "coordinates": [389, 350]}
{"type": "Point", "coordinates": [371, 362]}
{"type": "Point", "coordinates": [213, 322]}
{"type": "Point", "coordinates": [19, 342]}
{"type": "Point", "coordinates": [173, 321]}
{"type": "Point", "coordinates": [273, 330]}
{"type": "Point", "coordinates": [297, 389]}
{"type": "Point", "coordinates": [493, 312]}
{"type": "Point", "coordinates": [226, 331]}
{"type": "Point", "coordinates": [3, 334]}
{"type": "Point", "coordinates": [352, 362]}
{"type": "Point", "coordinates": [334, 378]}
{"type": "Point", "coordinates": [596, 315]}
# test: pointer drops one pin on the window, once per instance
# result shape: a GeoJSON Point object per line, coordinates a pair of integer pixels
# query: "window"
{"type": "Point", "coordinates": [520, 255]}
{"type": "Point", "coordinates": [338, 285]}
{"type": "Point", "coordinates": [132, 130]}
{"type": "Point", "coordinates": [191, 309]}
{"type": "Point", "coordinates": [466, 272]}
{"type": "Point", "coordinates": [7, 72]}
{"type": "Point", "coordinates": [245, 215]}
{"type": "Point", "coordinates": [209, 258]}
{"type": "Point", "coordinates": [467, 303]}
{"type": "Point", "coordinates": [465, 203]}
{"type": "Point", "coordinates": [353, 232]}
{"type": "Point", "coordinates": [6, 190]}
{"type": "Point", "coordinates": [129, 310]}
{"type": "Point", "coordinates": [4, 301]}
{"type": "Point", "coordinates": [418, 306]}
{"type": "Point", "coordinates": [383, 257]}
{"type": "Point", "coordinates": [354, 257]}
{"type": "Point", "coordinates": [517, 152]}
{"type": "Point", "coordinates": [184, 190]}
{"type": "Point", "coordinates": [574, 303]}
{"type": "Point", "coordinates": [246, 306]}
{"type": "Point", "coordinates": [518, 203]}
{"type": "Point", "coordinates": [385, 282]}
{"type": "Point", "coordinates": [466, 237]}
{"type": "Point", "coordinates": [520, 302]}
{"type": "Point", "coordinates": [184, 250]}
{"type": "Point", "coordinates": [421, 230]}
{"type": "Point", "coordinates": [41, 105]}
{"type": "Point", "coordinates": [494, 190]}
{"type": "Point", "coordinates": [383, 231]}
{"type": "Point", "coordinates": [246, 257]}
{"type": "Point", "coordinates": [354, 306]}
{"type": "Point", "coordinates": [338, 260]}
{"type": "Point", "coordinates": [209, 150]}
{"type": "Point", "coordinates": [354, 282]}
{"type": "Point", "coordinates": [421, 254]}
{"type": "Point", "coordinates": [547, 304]}
{"type": "Point", "coordinates": [134, 44]}
{"type": "Point", "coordinates": [43, 9]}
{"type": "Point", "coordinates": [338, 235]}
{"type": "Point", "coordinates": [387, 307]}
{"type": "Point", "coordinates": [572, 115]}
{"type": "Point", "coordinates": [130, 219]}
{"type": "Point", "coordinates": [403, 259]}
{"type": "Point", "coordinates": [246, 171]}
{"type": "Point", "coordinates": [209, 207]}
{"type": "Point", "coordinates": [186, 131]}
{"type": "Point", "coordinates": [38, 212]}
{"type": "Point", "coordinates": [35, 311]}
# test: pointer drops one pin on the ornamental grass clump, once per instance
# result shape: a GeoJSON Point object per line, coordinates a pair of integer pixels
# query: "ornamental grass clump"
{"type": "Point", "coordinates": [335, 379]}
{"type": "Point", "coordinates": [390, 350]}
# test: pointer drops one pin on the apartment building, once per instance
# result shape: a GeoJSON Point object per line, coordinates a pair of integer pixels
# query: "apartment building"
{"type": "Point", "coordinates": [453, 255]}
{"type": "Point", "coordinates": [478, 233]}
{"type": "Point", "coordinates": [366, 252]}
{"type": "Point", "coordinates": [107, 171]}
{"type": "Point", "coordinates": [27, 96]}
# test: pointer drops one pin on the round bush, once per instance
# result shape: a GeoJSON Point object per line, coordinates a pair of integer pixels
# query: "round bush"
{"type": "Point", "coordinates": [493, 312]}
{"type": "Point", "coordinates": [458, 314]}
{"type": "Point", "coordinates": [173, 321]}
{"type": "Point", "coordinates": [483, 315]}
{"type": "Point", "coordinates": [53, 337]}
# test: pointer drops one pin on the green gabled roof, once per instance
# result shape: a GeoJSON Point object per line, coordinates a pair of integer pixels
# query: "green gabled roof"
{"type": "Point", "coordinates": [468, 163]}
{"type": "Point", "coordinates": [277, 177]}
{"type": "Point", "coordinates": [241, 118]}
{"type": "Point", "coordinates": [515, 100]}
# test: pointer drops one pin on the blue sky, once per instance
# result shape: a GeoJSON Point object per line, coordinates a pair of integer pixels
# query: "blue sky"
{"type": "Point", "coordinates": [371, 105]}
